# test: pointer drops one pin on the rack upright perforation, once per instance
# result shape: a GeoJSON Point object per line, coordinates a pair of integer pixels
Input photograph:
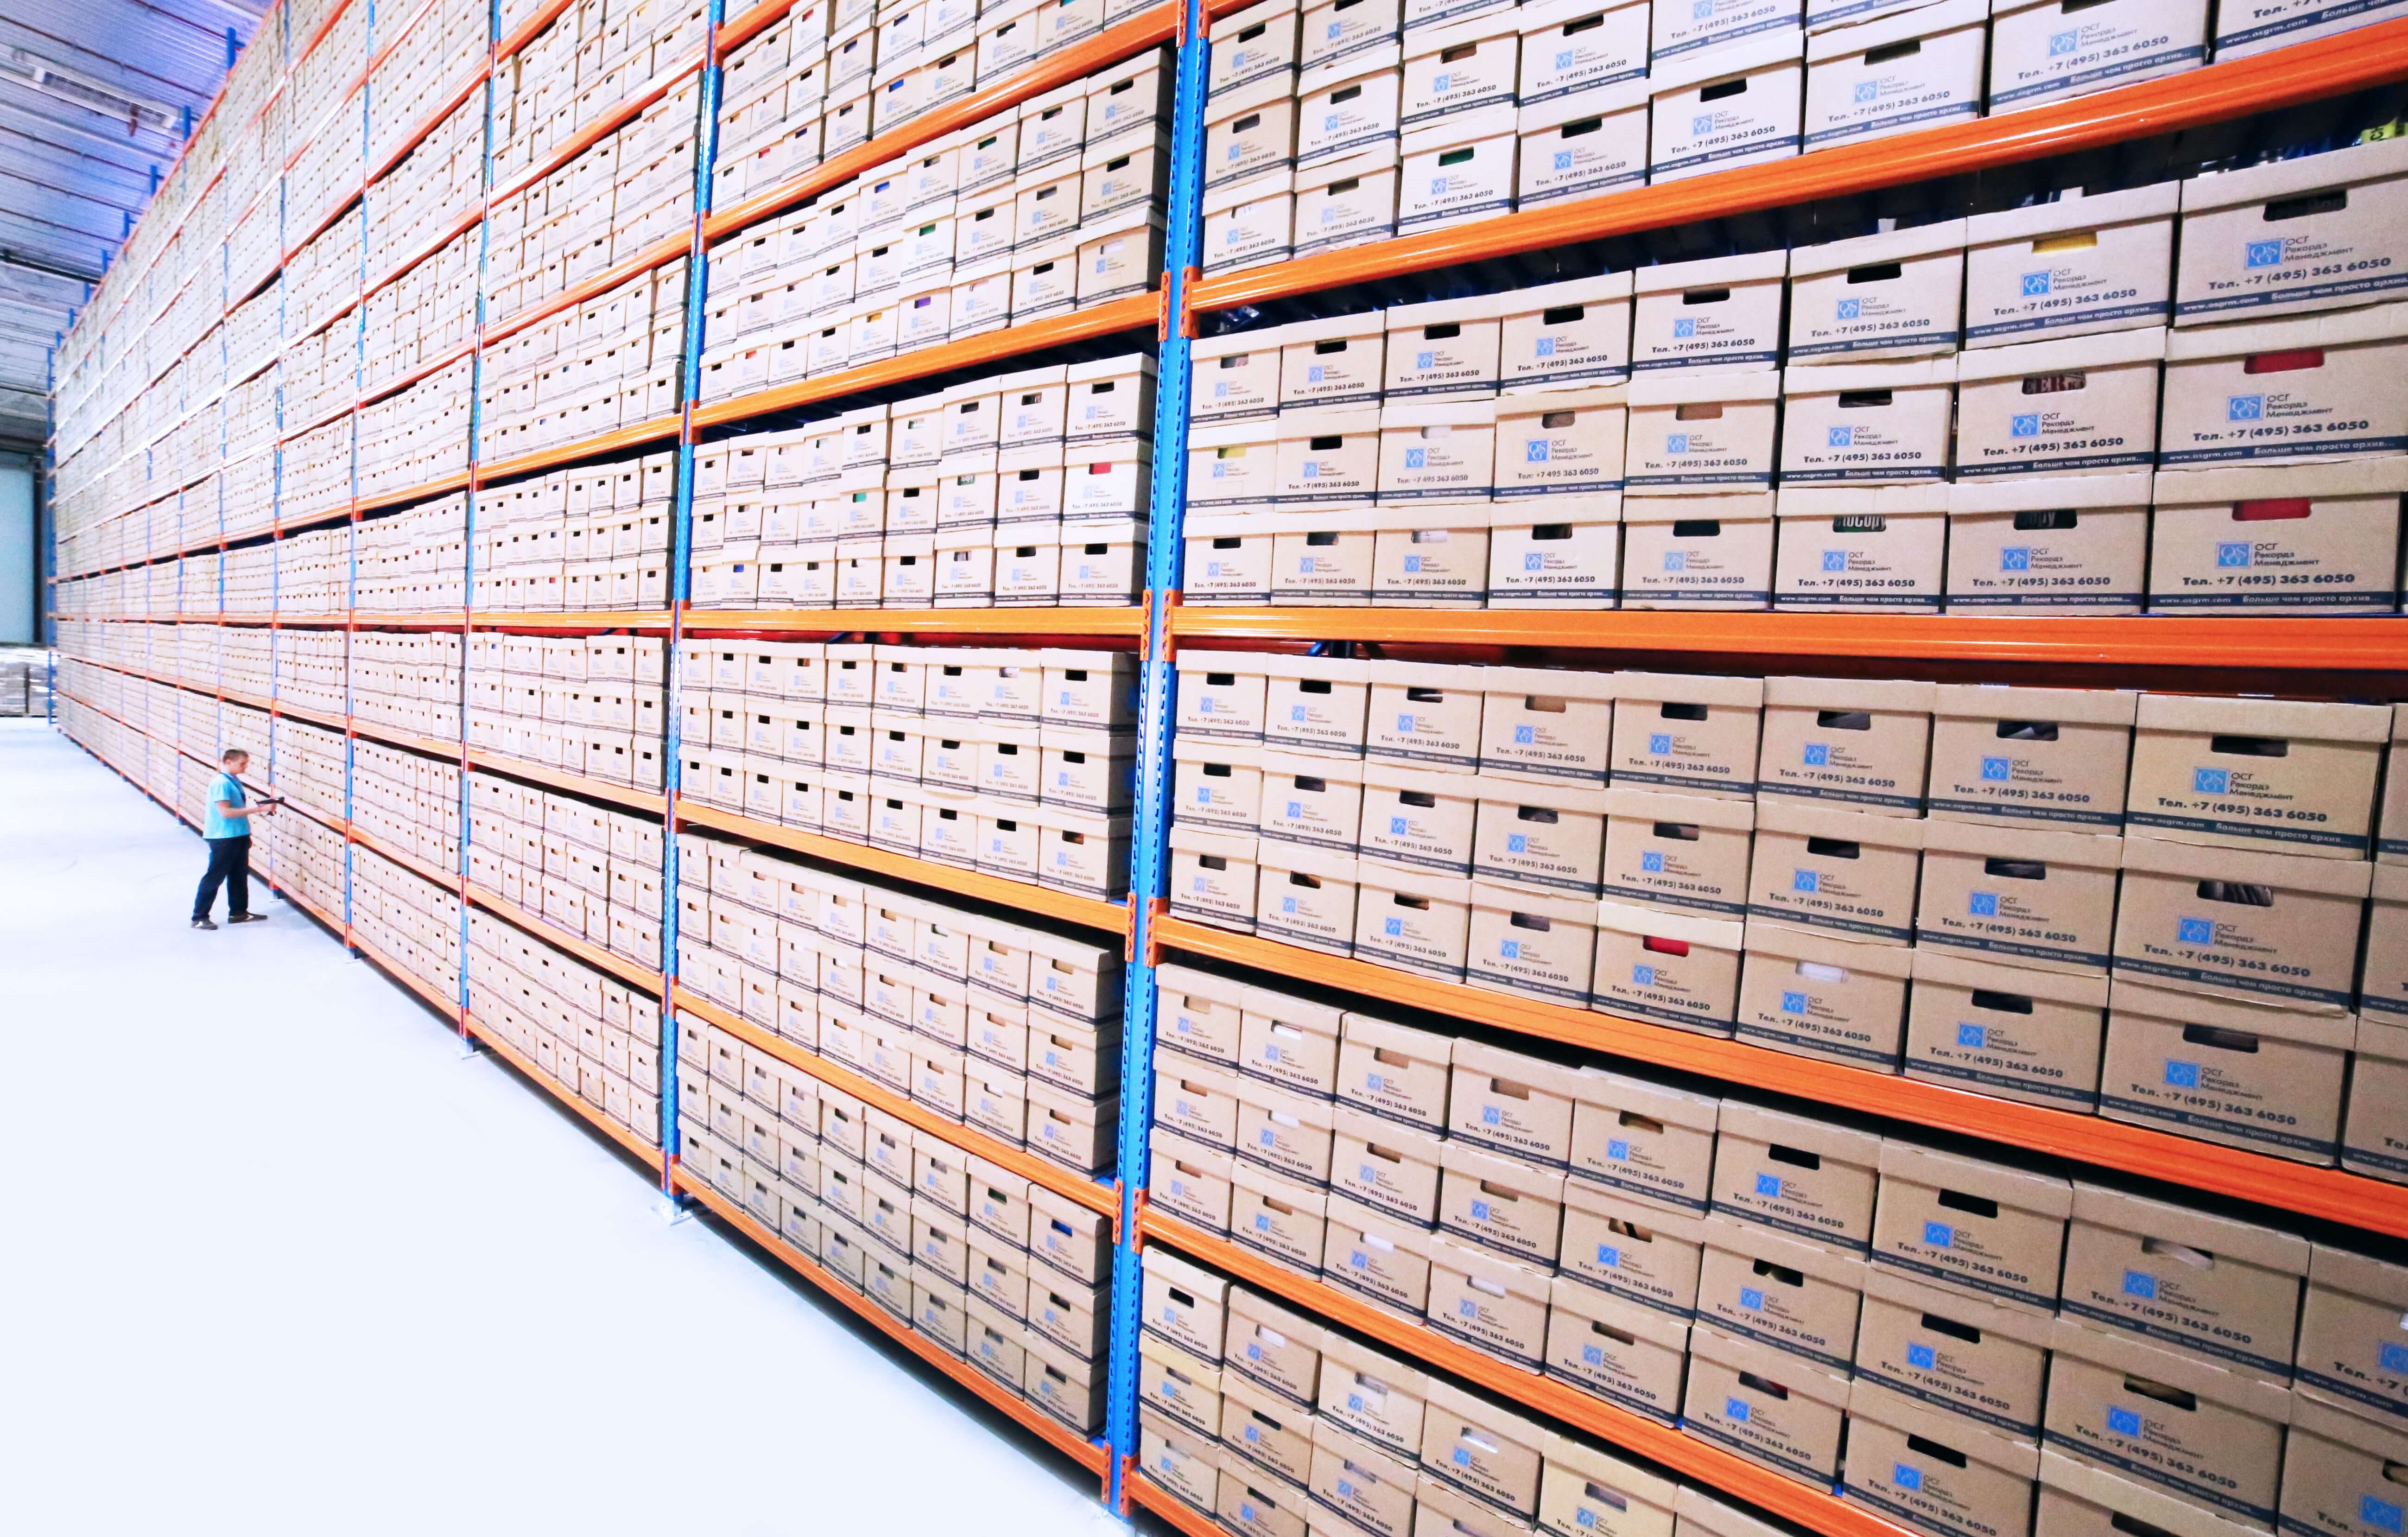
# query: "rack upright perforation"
{"type": "Point", "coordinates": [151, 529]}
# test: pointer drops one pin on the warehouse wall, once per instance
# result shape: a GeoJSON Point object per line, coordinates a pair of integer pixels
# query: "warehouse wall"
{"type": "Point", "coordinates": [20, 559]}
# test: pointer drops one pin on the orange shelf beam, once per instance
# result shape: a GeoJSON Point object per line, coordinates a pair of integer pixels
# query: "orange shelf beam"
{"type": "Point", "coordinates": [1088, 1192]}
{"type": "Point", "coordinates": [2304, 72]}
{"type": "Point", "coordinates": [1190, 1521]}
{"type": "Point", "coordinates": [1129, 620]}
{"type": "Point", "coordinates": [643, 1150]}
{"type": "Point", "coordinates": [1088, 1455]}
{"type": "Point", "coordinates": [2238, 642]}
{"type": "Point", "coordinates": [668, 249]}
{"type": "Point", "coordinates": [395, 737]}
{"type": "Point", "coordinates": [645, 432]}
{"type": "Point", "coordinates": [1810, 1507]}
{"type": "Point", "coordinates": [2278, 1183]}
{"type": "Point", "coordinates": [1112, 917]}
{"type": "Point", "coordinates": [600, 958]}
{"type": "Point", "coordinates": [590, 619]}
{"type": "Point", "coordinates": [1135, 312]}
{"type": "Point", "coordinates": [654, 801]}
{"type": "Point", "coordinates": [449, 881]}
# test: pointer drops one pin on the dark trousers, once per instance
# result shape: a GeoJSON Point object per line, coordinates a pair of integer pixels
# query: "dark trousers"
{"type": "Point", "coordinates": [229, 865]}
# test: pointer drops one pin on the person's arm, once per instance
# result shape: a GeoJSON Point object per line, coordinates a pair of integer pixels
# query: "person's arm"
{"type": "Point", "coordinates": [233, 813]}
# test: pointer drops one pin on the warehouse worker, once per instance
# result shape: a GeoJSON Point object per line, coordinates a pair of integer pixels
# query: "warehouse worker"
{"type": "Point", "coordinates": [228, 828]}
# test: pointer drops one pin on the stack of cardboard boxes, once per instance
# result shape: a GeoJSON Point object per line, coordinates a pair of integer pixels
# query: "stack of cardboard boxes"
{"type": "Point", "coordinates": [307, 763]}
{"type": "Point", "coordinates": [592, 1035]}
{"type": "Point", "coordinates": [300, 853]}
{"type": "Point", "coordinates": [408, 680]}
{"type": "Point", "coordinates": [1275, 1422]}
{"type": "Point", "coordinates": [416, 435]}
{"type": "Point", "coordinates": [2051, 895]}
{"type": "Point", "coordinates": [408, 921]}
{"type": "Point", "coordinates": [1054, 207]}
{"type": "Point", "coordinates": [426, 314]}
{"type": "Point", "coordinates": [588, 704]}
{"type": "Point", "coordinates": [412, 561]}
{"type": "Point", "coordinates": [593, 870]}
{"type": "Point", "coordinates": [583, 64]}
{"type": "Point", "coordinates": [311, 670]}
{"type": "Point", "coordinates": [593, 537]}
{"type": "Point", "coordinates": [313, 478]}
{"type": "Point", "coordinates": [1009, 1030]}
{"type": "Point", "coordinates": [408, 802]}
{"type": "Point", "coordinates": [610, 364]}
{"type": "Point", "coordinates": [1019, 764]}
{"type": "Point", "coordinates": [1028, 489]}
{"type": "Point", "coordinates": [431, 189]}
{"type": "Point", "coordinates": [1326, 126]}
{"type": "Point", "coordinates": [1000, 1270]}
{"type": "Point", "coordinates": [1805, 1292]}
{"type": "Point", "coordinates": [445, 41]}
{"type": "Point", "coordinates": [1968, 417]}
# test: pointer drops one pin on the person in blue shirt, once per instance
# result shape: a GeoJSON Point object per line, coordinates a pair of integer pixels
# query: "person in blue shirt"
{"type": "Point", "coordinates": [228, 828]}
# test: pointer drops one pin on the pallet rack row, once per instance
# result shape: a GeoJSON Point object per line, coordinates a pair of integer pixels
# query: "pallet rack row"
{"type": "Point", "coordinates": [2282, 650]}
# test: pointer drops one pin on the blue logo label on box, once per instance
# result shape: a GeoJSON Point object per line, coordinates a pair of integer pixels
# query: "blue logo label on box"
{"type": "Point", "coordinates": [2195, 930]}
{"type": "Point", "coordinates": [1563, 159]}
{"type": "Point", "coordinates": [2394, 1358]}
{"type": "Point", "coordinates": [1751, 1298]}
{"type": "Point", "coordinates": [1617, 1149]}
{"type": "Point", "coordinates": [1425, 360]}
{"type": "Point", "coordinates": [2122, 1421]}
{"type": "Point", "coordinates": [1609, 1257]}
{"type": "Point", "coordinates": [2035, 284]}
{"type": "Point", "coordinates": [2244, 407]}
{"type": "Point", "coordinates": [1940, 1235]}
{"type": "Point", "coordinates": [1546, 345]}
{"type": "Point", "coordinates": [2062, 43]}
{"type": "Point", "coordinates": [1517, 843]}
{"type": "Point", "coordinates": [2016, 557]}
{"type": "Point", "coordinates": [1676, 442]}
{"type": "Point", "coordinates": [1736, 1409]}
{"type": "Point", "coordinates": [2211, 782]}
{"type": "Point", "coordinates": [1793, 1003]}
{"type": "Point", "coordinates": [2236, 553]}
{"type": "Point", "coordinates": [1998, 770]}
{"type": "Point", "coordinates": [1805, 880]}
{"type": "Point", "coordinates": [1652, 862]}
{"type": "Point", "coordinates": [1643, 976]}
{"type": "Point", "coordinates": [2182, 1074]}
{"type": "Point", "coordinates": [1922, 1357]}
{"type": "Point", "coordinates": [2024, 424]}
{"type": "Point", "coordinates": [1676, 560]}
{"type": "Point", "coordinates": [2263, 253]}
{"type": "Point", "coordinates": [1524, 735]}
{"type": "Point", "coordinates": [1535, 451]}
{"type": "Point", "coordinates": [1906, 1475]}
{"type": "Point", "coordinates": [1852, 308]}
{"type": "Point", "coordinates": [1491, 1115]}
{"type": "Point", "coordinates": [1659, 742]}
{"type": "Point", "coordinates": [2141, 1284]}
{"type": "Point", "coordinates": [1417, 458]}
{"type": "Point", "coordinates": [2382, 1515]}
{"type": "Point", "coordinates": [1818, 754]}
{"type": "Point", "coordinates": [1986, 904]}
{"type": "Point", "coordinates": [1767, 1185]}
{"type": "Point", "coordinates": [1510, 950]}
{"type": "Point", "coordinates": [1975, 1036]}
{"type": "Point", "coordinates": [1866, 90]}
{"type": "Point", "coordinates": [1685, 327]}
{"type": "Point", "coordinates": [1835, 560]}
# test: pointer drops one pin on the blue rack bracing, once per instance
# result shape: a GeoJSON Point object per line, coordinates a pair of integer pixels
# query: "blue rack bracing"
{"type": "Point", "coordinates": [1142, 923]}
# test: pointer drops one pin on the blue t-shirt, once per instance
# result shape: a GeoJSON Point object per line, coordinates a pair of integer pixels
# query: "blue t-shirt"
{"type": "Point", "coordinates": [214, 825]}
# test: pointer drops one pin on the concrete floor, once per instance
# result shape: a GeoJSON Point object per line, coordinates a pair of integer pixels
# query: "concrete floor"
{"type": "Point", "coordinates": [287, 1260]}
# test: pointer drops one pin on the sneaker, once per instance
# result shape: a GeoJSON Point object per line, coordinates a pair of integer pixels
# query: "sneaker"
{"type": "Point", "coordinates": [203, 923]}
{"type": "Point", "coordinates": [248, 918]}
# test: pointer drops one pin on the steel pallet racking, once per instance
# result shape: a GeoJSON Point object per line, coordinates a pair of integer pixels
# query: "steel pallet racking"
{"type": "Point", "coordinates": [2275, 650]}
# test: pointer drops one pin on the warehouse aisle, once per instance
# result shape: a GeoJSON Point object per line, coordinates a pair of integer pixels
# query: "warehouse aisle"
{"type": "Point", "coordinates": [284, 1261]}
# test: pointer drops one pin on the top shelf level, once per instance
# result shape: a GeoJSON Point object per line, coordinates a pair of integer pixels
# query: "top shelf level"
{"type": "Point", "coordinates": [2289, 77]}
